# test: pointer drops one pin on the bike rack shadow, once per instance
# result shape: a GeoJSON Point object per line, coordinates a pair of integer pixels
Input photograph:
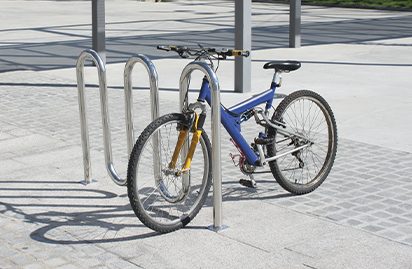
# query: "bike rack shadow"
{"type": "Point", "coordinates": [73, 214]}
{"type": "Point", "coordinates": [50, 213]}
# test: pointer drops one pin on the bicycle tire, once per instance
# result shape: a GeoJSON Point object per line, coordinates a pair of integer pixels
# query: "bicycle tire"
{"type": "Point", "coordinates": [307, 114]}
{"type": "Point", "coordinates": [163, 206]}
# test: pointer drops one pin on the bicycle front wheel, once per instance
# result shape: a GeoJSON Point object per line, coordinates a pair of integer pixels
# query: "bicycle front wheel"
{"type": "Point", "coordinates": [308, 155]}
{"type": "Point", "coordinates": [163, 199]}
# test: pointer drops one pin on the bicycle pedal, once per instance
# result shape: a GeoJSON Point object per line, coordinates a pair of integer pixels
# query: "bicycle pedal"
{"type": "Point", "coordinates": [248, 183]}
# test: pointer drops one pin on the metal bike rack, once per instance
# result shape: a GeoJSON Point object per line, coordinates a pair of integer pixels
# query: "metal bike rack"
{"type": "Point", "coordinates": [216, 133]}
{"type": "Point", "coordinates": [105, 110]}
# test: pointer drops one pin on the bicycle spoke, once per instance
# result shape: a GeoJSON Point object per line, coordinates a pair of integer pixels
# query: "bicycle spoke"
{"type": "Point", "coordinates": [157, 197]}
{"type": "Point", "coordinates": [302, 171]}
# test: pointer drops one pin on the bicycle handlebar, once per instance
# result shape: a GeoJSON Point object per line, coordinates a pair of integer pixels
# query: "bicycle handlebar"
{"type": "Point", "coordinates": [244, 53]}
{"type": "Point", "coordinates": [186, 52]}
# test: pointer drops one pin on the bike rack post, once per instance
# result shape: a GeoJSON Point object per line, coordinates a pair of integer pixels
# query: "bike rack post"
{"type": "Point", "coordinates": [216, 133]}
{"type": "Point", "coordinates": [105, 111]}
{"type": "Point", "coordinates": [154, 103]}
{"type": "Point", "coordinates": [105, 117]}
{"type": "Point", "coordinates": [154, 94]}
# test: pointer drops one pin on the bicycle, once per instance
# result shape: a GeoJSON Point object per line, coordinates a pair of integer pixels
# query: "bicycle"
{"type": "Point", "coordinates": [170, 173]}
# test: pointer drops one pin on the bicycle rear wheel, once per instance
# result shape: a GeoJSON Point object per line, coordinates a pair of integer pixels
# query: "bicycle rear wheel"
{"type": "Point", "coordinates": [307, 114]}
{"type": "Point", "coordinates": [163, 200]}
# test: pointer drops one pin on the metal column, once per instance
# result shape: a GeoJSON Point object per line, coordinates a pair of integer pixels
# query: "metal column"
{"type": "Point", "coordinates": [98, 28]}
{"type": "Point", "coordinates": [294, 23]}
{"type": "Point", "coordinates": [243, 41]}
{"type": "Point", "coordinates": [216, 133]}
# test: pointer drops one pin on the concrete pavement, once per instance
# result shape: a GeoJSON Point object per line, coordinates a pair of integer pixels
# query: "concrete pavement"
{"type": "Point", "coordinates": [359, 60]}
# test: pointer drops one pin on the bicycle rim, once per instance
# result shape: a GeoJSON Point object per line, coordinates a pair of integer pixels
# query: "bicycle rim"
{"type": "Point", "coordinates": [161, 201]}
{"type": "Point", "coordinates": [308, 115]}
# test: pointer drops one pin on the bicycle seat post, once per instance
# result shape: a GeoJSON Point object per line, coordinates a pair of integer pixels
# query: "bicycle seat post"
{"type": "Point", "coordinates": [277, 79]}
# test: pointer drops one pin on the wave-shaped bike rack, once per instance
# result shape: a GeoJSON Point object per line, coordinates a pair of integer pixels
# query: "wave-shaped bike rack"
{"type": "Point", "coordinates": [216, 133]}
{"type": "Point", "coordinates": [105, 110]}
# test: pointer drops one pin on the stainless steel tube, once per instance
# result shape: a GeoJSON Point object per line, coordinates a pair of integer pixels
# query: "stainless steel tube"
{"type": "Point", "coordinates": [105, 116]}
{"type": "Point", "coordinates": [154, 94]}
{"type": "Point", "coordinates": [83, 117]}
{"type": "Point", "coordinates": [154, 103]}
{"type": "Point", "coordinates": [216, 133]}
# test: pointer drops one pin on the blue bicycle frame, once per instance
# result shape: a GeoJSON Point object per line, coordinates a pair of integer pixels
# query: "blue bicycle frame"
{"type": "Point", "coordinates": [232, 120]}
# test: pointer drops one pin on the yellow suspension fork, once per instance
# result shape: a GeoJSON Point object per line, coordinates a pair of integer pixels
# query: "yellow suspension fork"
{"type": "Point", "coordinates": [179, 145]}
{"type": "Point", "coordinates": [197, 132]}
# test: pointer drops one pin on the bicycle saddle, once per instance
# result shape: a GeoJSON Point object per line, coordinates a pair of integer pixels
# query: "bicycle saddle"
{"type": "Point", "coordinates": [282, 65]}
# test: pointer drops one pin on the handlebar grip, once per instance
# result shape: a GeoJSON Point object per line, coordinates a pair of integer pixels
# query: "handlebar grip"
{"type": "Point", "coordinates": [166, 48]}
{"type": "Point", "coordinates": [163, 48]}
{"type": "Point", "coordinates": [244, 53]}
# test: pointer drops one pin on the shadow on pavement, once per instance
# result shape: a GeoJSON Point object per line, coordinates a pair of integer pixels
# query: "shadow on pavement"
{"type": "Point", "coordinates": [56, 55]}
{"type": "Point", "coordinates": [66, 214]}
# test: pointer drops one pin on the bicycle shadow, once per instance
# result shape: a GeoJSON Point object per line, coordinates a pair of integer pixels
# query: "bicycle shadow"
{"type": "Point", "coordinates": [233, 191]}
{"type": "Point", "coordinates": [93, 219]}
{"type": "Point", "coordinates": [74, 215]}
{"type": "Point", "coordinates": [70, 214]}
